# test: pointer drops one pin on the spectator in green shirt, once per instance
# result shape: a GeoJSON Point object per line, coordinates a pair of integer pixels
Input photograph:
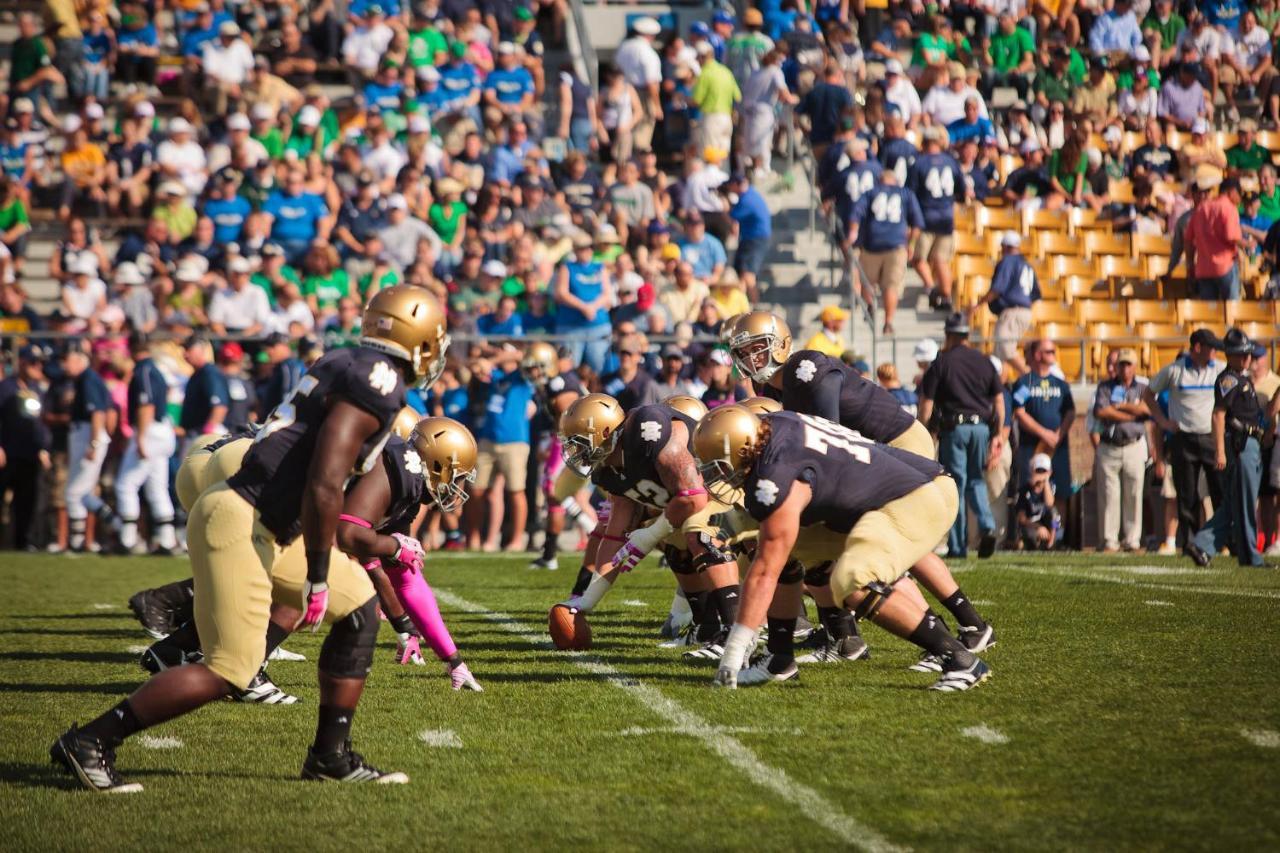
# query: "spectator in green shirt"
{"type": "Point", "coordinates": [446, 217]}
{"type": "Point", "coordinates": [265, 130]}
{"type": "Point", "coordinates": [715, 93]}
{"type": "Point", "coordinates": [14, 222]}
{"type": "Point", "coordinates": [326, 281]}
{"type": "Point", "coordinates": [31, 71]}
{"type": "Point", "coordinates": [1165, 25]}
{"type": "Point", "coordinates": [1269, 193]}
{"type": "Point", "coordinates": [275, 273]}
{"type": "Point", "coordinates": [1067, 167]}
{"type": "Point", "coordinates": [1247, 155]}
{"type": "Point", "coordinates": [1052, 84]}
{"type": "Point", "coordinates": [427, 45]}
{"type": "Point", "coordinates": [1012, 54]}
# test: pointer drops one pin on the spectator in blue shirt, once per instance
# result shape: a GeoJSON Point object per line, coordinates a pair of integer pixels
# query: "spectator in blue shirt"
{"type": "Point", "coordinates": [383, 92]}
{"type": "Point", "coordinates": [1014, 289]}
{"type": "Point", "coordinates": [884, 222]}
{"type": "Point", "coordinates": [825, 105]}
{"type": "Point", "coordinates": [703, 251]}
{"type": "Point", "coordinates": [896, 151]}
{"type": "Point", "coordinates": [504, 450]}
{"type": "Point", "coordinates": [938, 184]}
{"type": "Point", "coordinates": [509, 88]}
{"type": "Point", "coordinates": [1115, 31]}
{"type": "Point", "coordinates": [972, 126]}
{"type": "Point", "coordinates": [206, 397]}
{"type": "Point", "coordinates": [227, 209]}
{"type": "Point", "coordinates": [1044, 410]}
{"type": "Point", "coordinates": [503, 321]}
{"type": "Point", "coordinates": [137, 48]}
{"type": "Point", "coordinates": [461, 82]}
{"type": "Point", "coordinates": [753, 223]}
{"type": "Point", "coordinates": [298, 217]}
{"type": "Point", "coordinates": [198, 33]}
{"type": "Point", "coordinates": [1225, 14]}
{"type": "Point", "coordinates": [92, 74]}
{"type": "Point", "coordinates": [506, 163]}
{"type": "Point", "coordinates": [433, 97]}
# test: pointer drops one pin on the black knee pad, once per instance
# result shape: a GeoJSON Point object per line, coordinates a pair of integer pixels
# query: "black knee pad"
{"type": "Point", "coordinates": [679, 560]}
{"type": "Point", "coordinates": [792, 572]}
{"type": "Point", "coordinates": [819, 575]}
{"type": "Point", "coordinates": [877, 594]}
{"type": "Point", "coordinates": [348, 650]}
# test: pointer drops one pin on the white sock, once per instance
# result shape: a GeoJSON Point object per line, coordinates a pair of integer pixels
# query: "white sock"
{"type": "Point", "coordinates": [680, 604]}
{"type": "Point", "coordinates": [129, 534]}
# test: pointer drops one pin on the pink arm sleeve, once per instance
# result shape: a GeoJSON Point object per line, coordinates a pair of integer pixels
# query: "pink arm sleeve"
{"type": "Point", "coordinates": [420, 603]}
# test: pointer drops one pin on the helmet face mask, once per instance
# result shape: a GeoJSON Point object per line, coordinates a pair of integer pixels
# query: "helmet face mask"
{"type": "Point", "coordinates": [759, 344]}
{"type": "Point", "coordinates": [430, 367]}
{"type": "Point", "coordinates": [589, 431]}
{"type": "Point", "coordinates": [582, 452]}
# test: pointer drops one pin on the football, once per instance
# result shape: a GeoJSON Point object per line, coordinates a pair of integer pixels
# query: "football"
{"type": "Point", "coordinates": [569, 628]}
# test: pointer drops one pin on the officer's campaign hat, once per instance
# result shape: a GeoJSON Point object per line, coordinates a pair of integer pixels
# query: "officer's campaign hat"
{"type": "Point", "coordinates": [957, 324]}
{"type": "Point", "coordinates": [1236, 342]}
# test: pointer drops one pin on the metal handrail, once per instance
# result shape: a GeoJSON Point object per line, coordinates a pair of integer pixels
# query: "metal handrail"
{"type": "Point", "coordinates": [585, 62]}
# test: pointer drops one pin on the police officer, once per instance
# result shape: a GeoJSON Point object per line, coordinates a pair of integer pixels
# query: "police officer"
{"type": "Point", "coordinates": [24, 441]}
{"type": "Point", "coordinates": [1190, 382]}
{"type": "Point", "coordinates": [964, 390]}
{"type": "Point", "coordinates": [242, 398]}
{"type": "Point", "coordinates": [205, 400]}
{"type": "Point", "coordinates": [87, 444]}
{"type": "Point", "coordinates": [286, 373]}
{"type": "Point", "coordinates": [1237, 437]}
{"type": "Point", "coordinates": [146, 459]}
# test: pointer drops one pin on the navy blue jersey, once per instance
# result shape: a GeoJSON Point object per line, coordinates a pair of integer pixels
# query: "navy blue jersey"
{"type": "Point", "coordinates": [817, 384]}
{"type": "Point", "coordinates": [408, 486]}
{"type": "Point", "coordinates": [274, 473]}
{"type": "Point", "coordinates": [91, 396]}
{"type": "Point", "coordinates": [23, 433]}
{"type": "Point", "coordinates": [938, 183]}
{"type": "Point", "coordinates": [856, 181]}
{"type": "Point", "coordinates": [285, 376]}
{"type": "Point", "coordinates": [850, 475]}
{"type": "Point", "coordinates": [206, 389]}
{"type": "Point", "coordinates": [147, 388]}
{"type": "Point", "coordinates": [242, 401]}
{"type": "Point", "coordinates": [1047, 399]}
{"type": "Point", "coordinates": [897, 155]}
{"type": "Point", "coordinates": [1016, 282]}
{"type": "Point", "coordinates": [565, 383]}
{"type": "Point", "coordinates": [884, 217]}
{"type": "Point", "coordinates": [644, 434]}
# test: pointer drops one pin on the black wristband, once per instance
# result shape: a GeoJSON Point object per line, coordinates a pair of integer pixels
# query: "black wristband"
{"type": "Point", "coordinates": [318, 566]}
{"type": "Point", "coordinates": [402, 624]}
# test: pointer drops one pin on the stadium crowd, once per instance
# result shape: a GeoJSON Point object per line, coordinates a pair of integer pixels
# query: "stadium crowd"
{"type": "Point", "coordinates": [232, 181]}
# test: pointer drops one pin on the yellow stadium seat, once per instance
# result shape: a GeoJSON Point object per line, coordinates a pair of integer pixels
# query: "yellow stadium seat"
{"type": "Point", "coordinates": [974, 288]}
{"type": "Point", "coordinates": [1263, 333]}
{"type": "Point", "coordinates": [1121, 191]}
{"type": "Point", "coordinates": [1250, 312]}
{"type": "Point", "coordinates": [965, 217]}
{"type": "Point", "coordinates": [1066, 265]}
{"type": "Point", "coordinates": [1084, 287]}
{"type": "Point", "coordinates": [1047, 220]}
{"type": "Point", "coordinates": [973, 265]}
{"type": "Point", "coordinates": [1156, 266]}
{"type": "Point", "coordinates": [997, 219]}
{"type": "Point", "coordinates": [1151, 244]}
{"type": "Point", "coordinates": [1149, 311]}
{"type": "Point", "coordinates": [1052, 312]}
{"type": "Point", "coordinates": [1007, 164]}
{"type": "Point", "coordinates": [1120, 267]}
{"type": "Point", "coordinates": [1103, 338]}
{"type": "Point", "coordinates": [1086, 219]}
{"type": "Point", "coordinates": [972, 243]}
{"type": "Point", "coordinates": [1161, 344]}
{"type": "Point", "coordinates": [1270, 140]}
{"type": "Point", "coordinates": [1050, 244]}
{"type": "Point", "coordinates": [1198, 312]}
{"type": "Point", "coordinates": [1050, 289]}
{"type": "Point", "coordinates": [1100, 243]}
{"type": "Point", "coordinates": [1145, 288]}
{"type": "Point", "coordinates": [1133, 140]}
{"type": "Point", "coordinates": [1226, 139]}
{"type": "Point", "coordinates": [1099, 311]}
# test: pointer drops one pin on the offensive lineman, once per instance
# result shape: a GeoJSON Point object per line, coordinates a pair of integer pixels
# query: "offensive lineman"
{"type": "Point", "coordinates": [271, 527]}
{"type": "Point", "coordinates": [644, 462]}
{"type": "Point", "coordinates": [822, 492]}
{"type": "Point", "coordinates": [809, 382]}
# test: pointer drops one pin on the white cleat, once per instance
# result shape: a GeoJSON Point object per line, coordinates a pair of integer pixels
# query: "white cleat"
{"type": "Point", "coordinates": [956, 680]}
{"type": "Point", "coordinates": [927, 663]}
{"type": "Point", "coordinates": [759, 673]}
{"type": "Point", "coordinates": [847, 650]}
{"type": "Point", "coordinates": [281, 653]}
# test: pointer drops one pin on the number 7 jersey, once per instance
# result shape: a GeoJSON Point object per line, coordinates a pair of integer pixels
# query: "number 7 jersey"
{"type": "Point", "coordinates": [274, 474]}
{"type": "Point", "coordinates": [849, 474]}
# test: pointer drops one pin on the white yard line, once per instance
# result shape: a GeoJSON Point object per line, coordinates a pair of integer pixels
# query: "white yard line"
{"type": "Point", "coordinates": [1264, 738]}
{"type": "Point", "coordinates": [640, 731]}
{"type": "Point", "coordinates": [985, 733]}
{"type": "Point", "coordinates": [634, 602]}
{"type": "Point", "coordinates": [101, 606]}
{"type": "Point", "coordinates": [163, 742]}
{"type": "Point", "coordinates": [441, 738]}
{"type": "Point", "coordinates": [808, 801]}
{"type": "Point", "coordinates": [1095, 576]}
{"type": "Point", "coordinates": [1155, 602]}
{"type": "Point", "coordinates": [136, 650]}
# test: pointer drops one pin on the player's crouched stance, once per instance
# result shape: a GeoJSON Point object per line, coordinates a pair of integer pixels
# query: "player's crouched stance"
{"type": "Point", "coordinates": [822, 492]}
{"type": "Point", "coordinates": [270, 529]}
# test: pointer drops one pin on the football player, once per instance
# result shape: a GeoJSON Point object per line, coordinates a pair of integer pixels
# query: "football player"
{"type": "Point", "coordinates": [822, 492]}
{"type": "Point", "coordinates": [811, 383]}
{"type": "Point", "coordinates": [270, 529]}
{"type": "Point", "coordinates": [644, 462]}
{"type": "Point", "coordinates": [555, 390]}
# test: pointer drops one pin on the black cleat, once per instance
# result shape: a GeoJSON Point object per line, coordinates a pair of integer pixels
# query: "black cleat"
{"type": "Point", "coordinates": [156, 619]}
{"type": "Point", "coordinates": [977, 640]}
{"type": "Point", "coordinates": [93, 764]}
{"type": "Point", "coordinates": [847, 650]}
{"type": "Point", "coordinates": [263, 691]}
{"type": "Point", "coordinates": [987, 545]}
{"type": "Point", "coordinates": [161, 656]}
{"type": "Point", "coordinates": [803, 631]}
{"type": "Point", "coordinates": [1197, 554]}
{"type": "Point", "coordinates": [347, 766]}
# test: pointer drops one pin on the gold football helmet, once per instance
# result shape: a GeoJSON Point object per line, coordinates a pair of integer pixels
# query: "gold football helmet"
{"type": "Point", "coordinates": [540, 364]}
{"type": "Point", "coordinates": [405, 422]}
{"type": "Point", "coordinates": [726, 442]}
{"type": "Point", "coordinates": [759, 343]}
{"type": "Point", "coordinates": [406, 321]}
{"type": "Point", "coordinates": [761, 405]}
{"type": "Point", "coordinates": [688, 405]}
{"type": "Point", "coordinates": [448, 453]}
{"type": "Point", "coordinates": [589, 430]}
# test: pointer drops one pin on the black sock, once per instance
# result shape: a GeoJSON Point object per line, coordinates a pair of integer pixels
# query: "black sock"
{"type": "Point", "coordinates": [709, 622]}
{"type": "Point", "coordinates": [932, 636]}
{"type": "Point", "coordinates": [115, 725]}
{"type": "Point", "coordinates": [697, 605]}
{"type": "Point", "coordinates": [549, 546]}
{"type": "Point", "coordinates": [333, 729]}
{"type": "Point", "coordinates": [839, 622]}
{"type": "Point", "coordinates": [781, 643]}
{"type": "Point", "coordinates": [186, 640]}
{"type": "Point", "coordinates": [275, 636]}
{"type": "Point", "coordinates": [584, 580]}
{"type": "Point", "coordinates": [726, 600]}
{"type": "Point", "coordinates": [961, 608]}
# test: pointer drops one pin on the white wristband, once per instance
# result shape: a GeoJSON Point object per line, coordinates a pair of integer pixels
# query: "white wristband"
{"type": "Point", "coordinates": [741, 642]}
{"type": "Point", "coordinates": [592, 595]}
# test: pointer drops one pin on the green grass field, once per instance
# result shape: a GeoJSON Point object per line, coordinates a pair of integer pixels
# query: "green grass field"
{"type": "Point", "coordinates": [1135, 704]}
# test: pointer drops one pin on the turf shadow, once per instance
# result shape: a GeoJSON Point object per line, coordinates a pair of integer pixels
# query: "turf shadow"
{"type": "Point", "coordinates": [113, 688]}
{"type": "Point", "coordinates": [47, 617]}
{"type": "Point", "coordinates": [123, 633]}
{"type": "Point", "coordinates": [46, 775]}
{"type": "Point", "coordinates": [82, 657]}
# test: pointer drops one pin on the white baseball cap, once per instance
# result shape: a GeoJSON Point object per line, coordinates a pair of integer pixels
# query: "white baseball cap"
{"type": "Point", "coordinates": [1029, 145]}
{"type": "Point", "coordinates": [647, 26]}
{"type": "Point", "coordinates": [429, 74]}
{"type": "Point", "coordinates": [94, 111]}
{"type": "Point", "coordinates": [262, 112]}
{"type": "Point", "coordinates": [397, 201]}
{"type": "Point", "coordinates": [506, 48]}
{"type": "Point", "coordinates": [238, 121]}
{"type": "Point", "coordinates": [71, 124]}
{"type": "Point", "coordinates": [495, 268]}
{"type": "Point", "coordinates": [171, 188]}
{"type": "Point", "coordinates": [893, 66]}
{"type": "Point", "coordinates": [926, 351]}
{"type": "Point", "coordinates": [1200, 126]}
{"type": "Point", "coordinates": [144, 109]}
{"type": "Point", "coordinates": [240, 264]}
{"type": "Point", "coordinates": [418, 124]}
{"type": "Point", "coordinates": [188, 272]}
{"type": "Point", "coordinates": [1011, 239]}
{"type": "Point", "coordinates": [1112, 134]}
{"type": "Point", "coordinates": [84, 264]}
{"type": "Point", "coordinates": [309, 116]}
{"type": "Point", "coordinates": [128, 273]}
{"type": "Point", "coordinates": [180, 125]}
{"type": "Point", "coordinates": [1041, 462]}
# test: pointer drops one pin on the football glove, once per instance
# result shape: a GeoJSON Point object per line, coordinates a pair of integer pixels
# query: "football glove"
{"type": "Point", "coordinates": [408, 650]}
{"type": "Point", "coordinates": [410, 554]}
{"type": "Point", "coordinates": [315, 601]}
{"type": "Point", "coordinates": [460, 677]}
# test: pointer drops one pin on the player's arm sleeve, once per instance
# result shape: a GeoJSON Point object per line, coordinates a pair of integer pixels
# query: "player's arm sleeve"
{"type": "Point", "coordinates": [826, 396]}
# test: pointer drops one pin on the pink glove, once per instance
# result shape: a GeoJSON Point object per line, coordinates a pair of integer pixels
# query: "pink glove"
{"type": "Point", "coordinates": [315, 601]}
{"type": "Point", "coordinates": [408, 651]}
{"type": "Point", "coordinates": [460, 677]}
{"type": "Point", "coordinates": [410, 554]}
{"type": "Point", "coordinates": [627, 557]}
